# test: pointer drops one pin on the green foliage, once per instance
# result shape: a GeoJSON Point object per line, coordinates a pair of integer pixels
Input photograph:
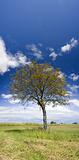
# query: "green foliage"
{"type": "Point", "coordinates": [40, 83]}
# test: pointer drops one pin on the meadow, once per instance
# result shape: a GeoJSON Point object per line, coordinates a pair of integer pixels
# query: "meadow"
{"type": "Point", "coordinates": [31, 142]}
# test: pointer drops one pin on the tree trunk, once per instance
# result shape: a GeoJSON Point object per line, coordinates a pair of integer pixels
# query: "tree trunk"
{"type": "Point", "coordinates": [44, 118]}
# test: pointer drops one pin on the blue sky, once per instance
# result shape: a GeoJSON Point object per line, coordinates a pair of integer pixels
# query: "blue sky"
{"type": "Point", "coordinates": [46, 31]}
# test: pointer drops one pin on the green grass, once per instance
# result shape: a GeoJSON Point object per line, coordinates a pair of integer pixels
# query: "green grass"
{"type": "Point", "coordinates": [31, 142]}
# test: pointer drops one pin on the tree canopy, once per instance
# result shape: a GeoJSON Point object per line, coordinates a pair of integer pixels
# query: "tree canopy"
{"type": "Point", "coordinates": [40, 83]}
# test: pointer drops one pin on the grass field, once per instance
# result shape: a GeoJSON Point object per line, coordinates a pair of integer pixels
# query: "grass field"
{"type": "Point", "coordinates": [30, 142]}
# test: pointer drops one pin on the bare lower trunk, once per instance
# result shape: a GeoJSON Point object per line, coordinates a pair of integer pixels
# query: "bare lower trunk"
{"type": "Point", "coordinates": [44, 118]}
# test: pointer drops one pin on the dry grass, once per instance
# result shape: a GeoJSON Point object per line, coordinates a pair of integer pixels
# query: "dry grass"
{"type": "Point", "coordinates": [30, 142]}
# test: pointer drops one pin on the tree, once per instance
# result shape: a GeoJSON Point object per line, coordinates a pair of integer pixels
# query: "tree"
{"type": "Point", "coordinates": [52, 122]}
{"type": "Point", "coordinates": [40, 83]}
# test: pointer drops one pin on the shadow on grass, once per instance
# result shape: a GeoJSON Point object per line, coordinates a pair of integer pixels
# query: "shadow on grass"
{"type": "Point", "coordinates": [15, 130]}
{"type": "Point", "coordinates": [24, 130]}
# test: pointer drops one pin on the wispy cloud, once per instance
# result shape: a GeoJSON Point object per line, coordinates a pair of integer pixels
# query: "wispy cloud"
{"type": "Point", "coordinates": [21, 58]}
{"type": "Point", "coordinates": [10, 99]}
{"type": "Point", "coordinates": [6, 96]}
{"type": "Point", "coordinates": [7, 60]}
{"type": "Point", "coordinates": [73, 88]}
{"type": "Point", "coordinates": [32, 113]}
{"type": "Point", "coordinates": [75, 102]}
{"type": "Point", "coordinates": [66, 48]}
{"type": "Point", "coordinates": [74, 76]}
{"type": "Point", "coordinates": [53, 54]}
{"type": "Point", "coordinates": [35, 50]}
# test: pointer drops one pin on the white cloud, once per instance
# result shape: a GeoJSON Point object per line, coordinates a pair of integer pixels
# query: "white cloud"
{"type": "Point", "coordinates": [75, 102]}
{"type": "Point", "coordinates": [13, 101]}
{"type": "Point", "coordinates": [32, 113]}
{"type": "Point", "coordinates": [51, 49]}
{"type": "Point", "coordinates": [21, 58]}
{"type": "Point", "coordinates": [53, 55]}
{"type": "Point", "coordinates": [66, 48]}
{"type": "Point", "coordinates": [7, 60]}
{"type": "Point", "coordinates": [6, 96]}
{"type": "Point", "coordinates": [74, 76]}
{"type": "Point", "coordinates": [73, 88]}
{"type": "Point", "coordinates": [38, 55]}
{"type": "Point", "coordinates": [73, 42]}
{"type": "Point", "coordinates": [35, 50]}
{"type": "Point", "coordinates": [10, 98]}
